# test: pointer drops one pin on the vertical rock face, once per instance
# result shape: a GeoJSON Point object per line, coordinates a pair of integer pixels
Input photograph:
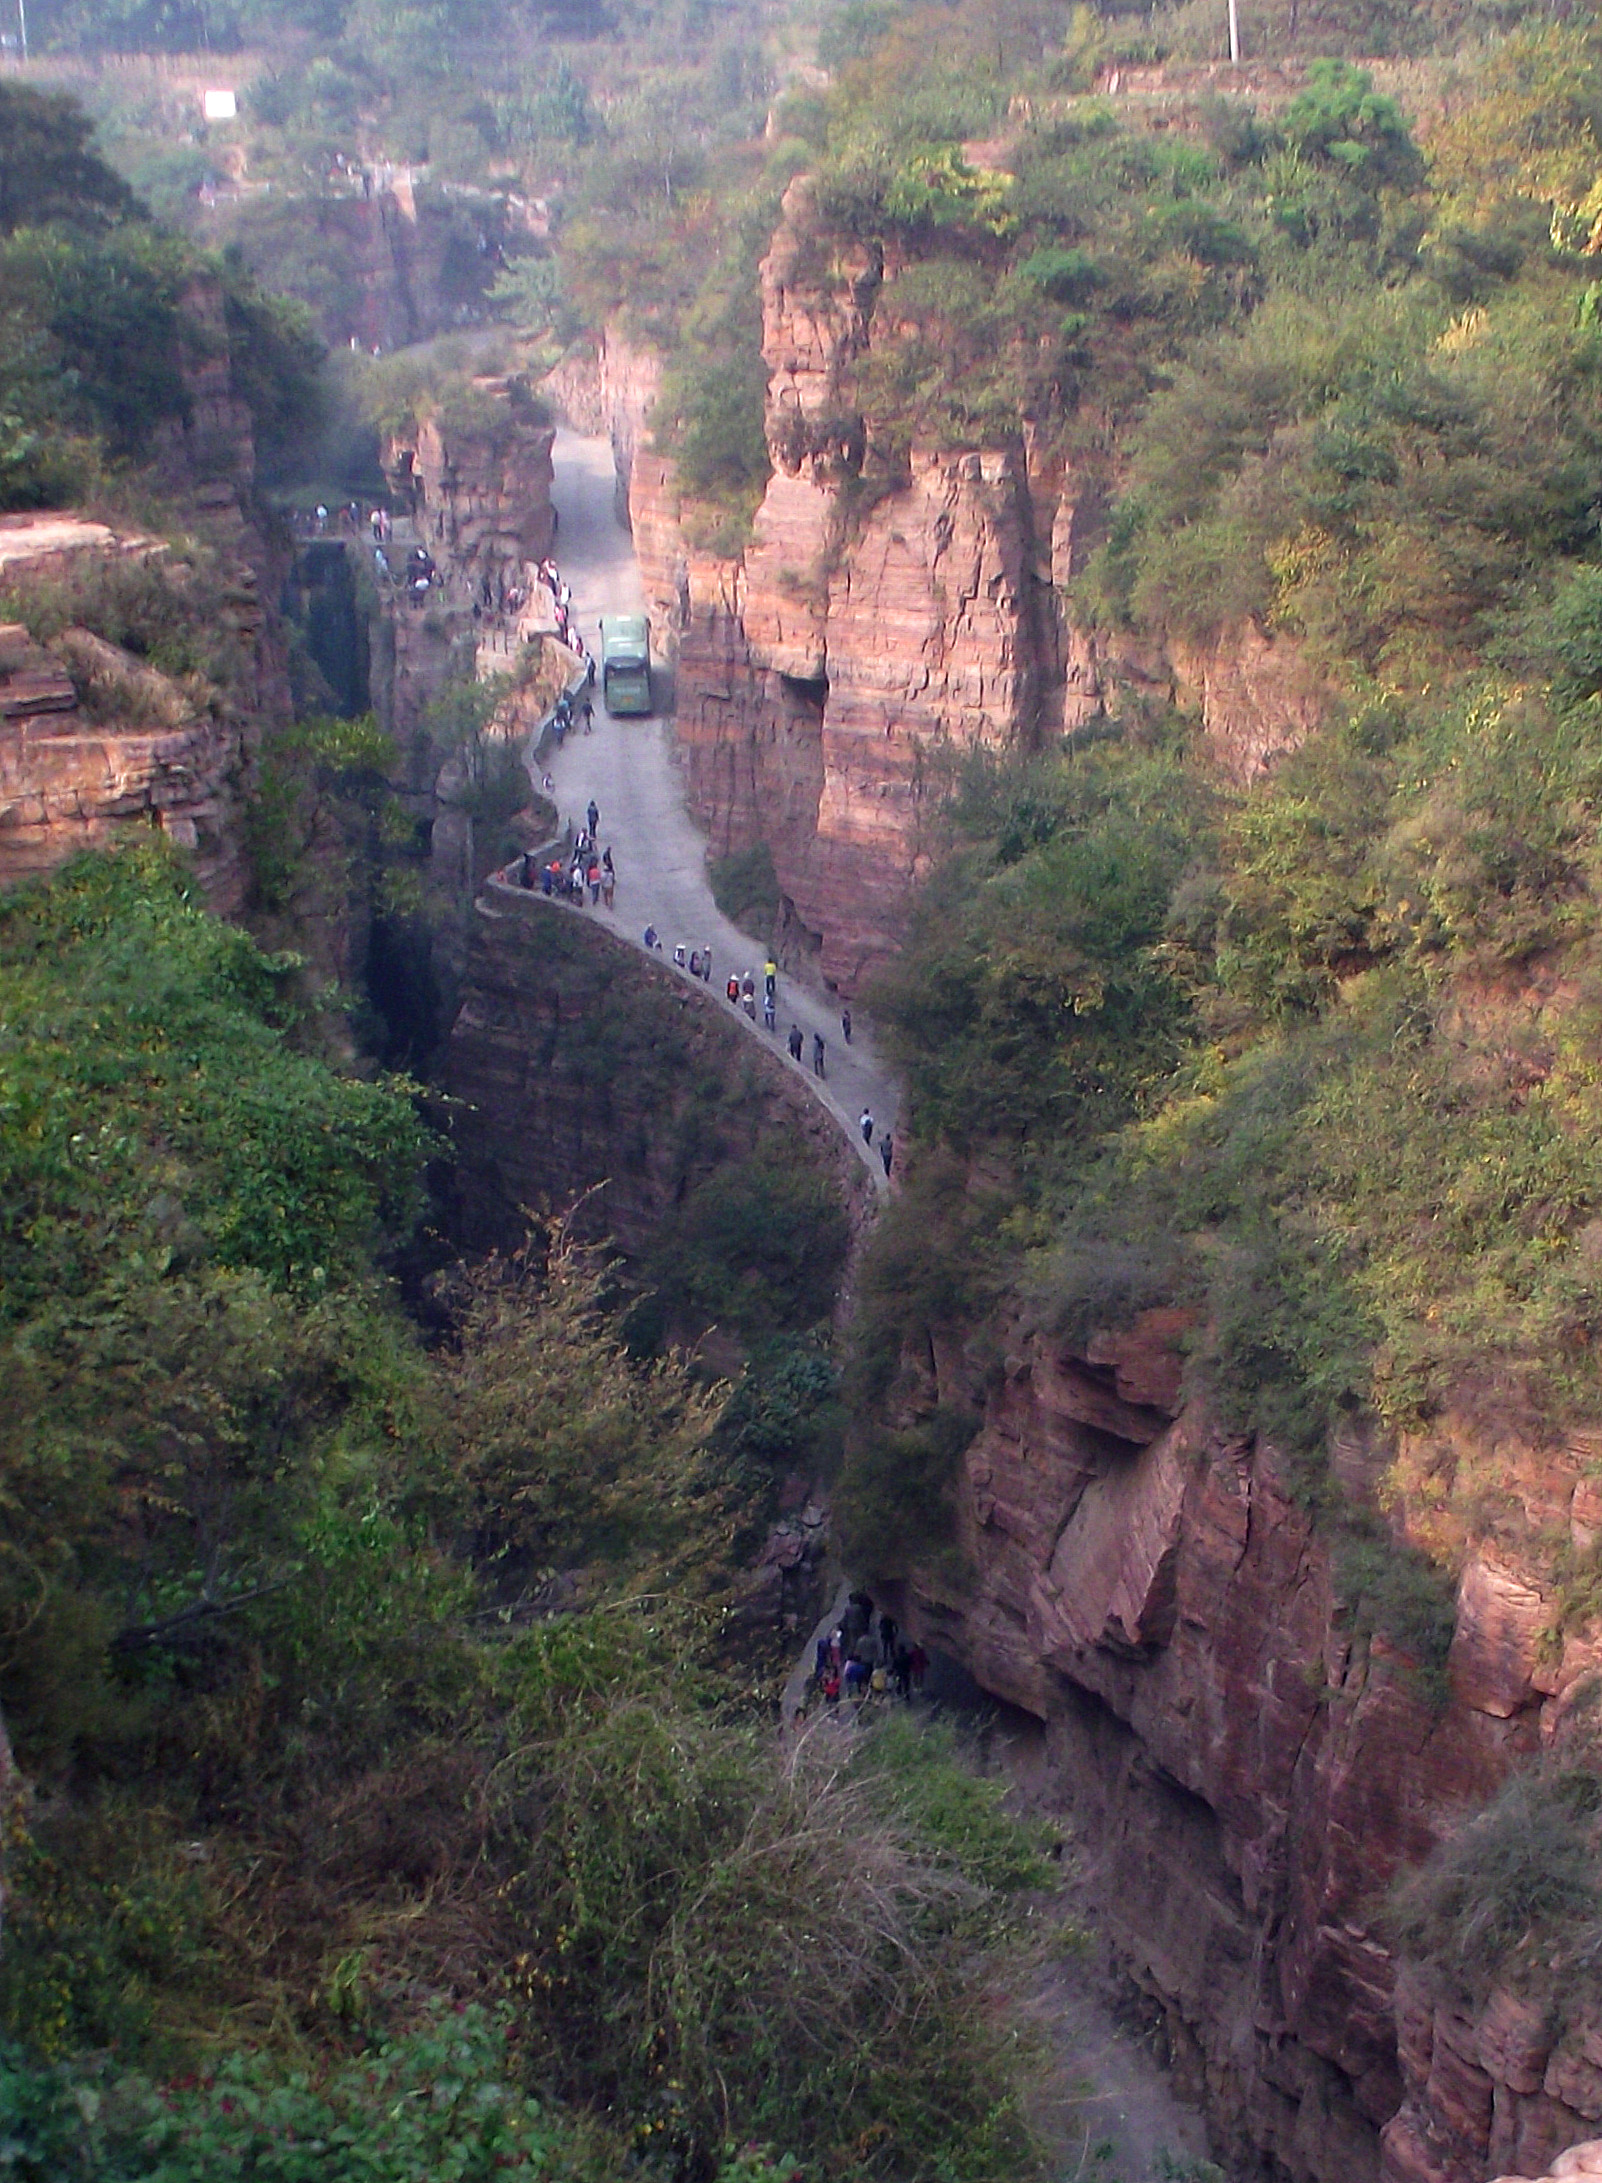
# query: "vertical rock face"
{"type": "Point", "coordinates": [1248, 1772]}
{"type": "Point", "coordinates": [479, 473]}
{"type": "Point", "coordinates": [93, 740]}
{"type": "Point", "coordinates": [380, 266]}
{"type": "Point", "coordinates": [930, 652]}
{"type": "Point", "coordinates": [583, 1068]}
{"type": "Point", "coordinates": [1502, 2087]}
{"type": "Point", "coordinates": [827, 677]}
{"type": "Point", "coordinates": [877, 626]}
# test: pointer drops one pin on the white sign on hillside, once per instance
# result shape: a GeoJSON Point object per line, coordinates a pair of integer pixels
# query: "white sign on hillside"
{"type": "Point", "coordinates": [219, 105]}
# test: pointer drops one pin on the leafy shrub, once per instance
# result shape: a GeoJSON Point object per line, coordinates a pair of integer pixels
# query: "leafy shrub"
{"type": "Point", "coordinates": [1514, 1879]}
{"type": "Point", "coordinates": [48, 172]}
{"type": "Point", "coordinates": [1341, 121]}
{"type": "Point", "coordinates": [759, 1244]}
{"type": "Point", "coordinates": [716, 429]}
{"type": "Point", "coordinates": [785, 1408]}
{"type": "Point", "coordinates": [960, 1814]}
{"type": "Point", "coordinates": [894, 1505]}
{"type": "Point", "coordinates": [1033, 993]}
{"type": "Point", "coordinates": [745, 888]}
{"type": "Point", "coordinates": [764, 1940]}
{"type": "Point", "coordinates": [438, 2102]}
{"type": "Point", "coordinates": [1391, 1587]}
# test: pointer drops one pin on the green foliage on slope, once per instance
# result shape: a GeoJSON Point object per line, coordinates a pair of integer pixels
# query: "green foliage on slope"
{"type": "Point", "coordinates": [1352, 1118]}
{"type": "Point", "coordinates": [102, 314]}
{"type": "Point", "coordinates": [1311, 1057]}
{"type": "Point", "coordinates": [403, 1807]}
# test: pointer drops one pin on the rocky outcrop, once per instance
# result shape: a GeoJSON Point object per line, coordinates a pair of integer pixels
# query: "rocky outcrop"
{"type": "Point", "coordinates": [889, 613]}
{"type": "Point", "coordinates": [1502, 2089]}
{"type": "Point", "coordinates": [94, 741]}
{"type": "Point", "coordinates": [1246, 1770]}
{"type": "Point", "coordinates": [477, 472]}
{"type": "Point", "coordinates": [1256, 694]}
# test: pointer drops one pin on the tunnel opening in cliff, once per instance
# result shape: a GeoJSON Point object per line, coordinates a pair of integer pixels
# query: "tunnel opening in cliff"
{"type": "Point", "coordinates": [806, 693]}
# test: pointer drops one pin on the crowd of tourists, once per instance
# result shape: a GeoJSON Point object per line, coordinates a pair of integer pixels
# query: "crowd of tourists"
{"type": "Point", "coordinates": [867, 1656]}
{"type": "Point", "coordinates": [580, 870]}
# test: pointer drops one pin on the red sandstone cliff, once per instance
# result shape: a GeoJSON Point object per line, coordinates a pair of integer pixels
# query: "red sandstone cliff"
{"type": "Point", "coordinates": [879, 623]}
{"type": "Point", "coordinates": [1247, 1772]}
{"type": "Point", "coordinates": [478, 472]}
{"type": "Point", "coordinates": [93, 740]}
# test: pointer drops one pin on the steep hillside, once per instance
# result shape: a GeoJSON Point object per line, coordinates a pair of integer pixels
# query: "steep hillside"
{"type": "Point", "coordinates": [1227, 1370]}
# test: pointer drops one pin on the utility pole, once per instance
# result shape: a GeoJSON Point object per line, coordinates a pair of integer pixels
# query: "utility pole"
{"type": "Point", "coordinates": [1234, 33]}
{"type": "Point", "coordinates": [22, 24]}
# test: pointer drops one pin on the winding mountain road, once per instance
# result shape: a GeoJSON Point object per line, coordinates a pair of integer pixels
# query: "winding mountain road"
{"type": "Point", "coordinates": [632, 771]}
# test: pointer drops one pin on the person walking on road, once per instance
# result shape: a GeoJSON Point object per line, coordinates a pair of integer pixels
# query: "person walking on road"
{"type": "Point", "coordinates": [817, 1053]}
{"type": "Point", "coordinates": [865, 1124]}
{"type": "Point", "coordinates": [795, 1042]}
{"type": "Point", "coordinates": [733, 990]}
{"type": "Point", "coordinates": [593, 815]}
{"type": "Point", "coordinates": [845, 1025]}
{"type": "Point", "coordinates": [770, 1021]}
{"type": "Point", "coordinates": [885, 1153]}
{"type": "Point", "coordinates": [706, 966]}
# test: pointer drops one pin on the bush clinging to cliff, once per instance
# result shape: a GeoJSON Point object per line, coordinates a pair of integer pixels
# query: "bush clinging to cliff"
{"type": "Point", "coordinates": [1516, 1880]}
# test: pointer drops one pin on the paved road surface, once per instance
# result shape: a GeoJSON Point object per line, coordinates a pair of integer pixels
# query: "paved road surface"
{"type": "Point", "coordinates": [630, 769]}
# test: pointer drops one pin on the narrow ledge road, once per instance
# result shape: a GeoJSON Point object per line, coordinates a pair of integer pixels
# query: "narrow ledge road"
{"type": "Point", "coordinates": [631, 770]}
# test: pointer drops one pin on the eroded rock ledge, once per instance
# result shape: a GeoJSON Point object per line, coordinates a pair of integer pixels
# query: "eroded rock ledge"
{"type": "Point", "coordinates": [831, 674]}
{"type": "Point", "coordinates": [1247, 1771]}
{"type": "Point", "coordinates": [93, 740]}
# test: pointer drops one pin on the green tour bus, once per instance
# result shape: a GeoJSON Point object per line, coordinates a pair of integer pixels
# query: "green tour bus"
{"type": "Point", "coordinates": [626, 663]}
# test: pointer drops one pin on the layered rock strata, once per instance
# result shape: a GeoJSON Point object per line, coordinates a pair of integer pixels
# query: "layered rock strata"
{"type": "Point", "coordinates": [1246, 1770]}
{"type": "Point", "coordinates": [93, 740]}
{"type": "Point", "coordinates": [478, 475]}
{"type": "Point", "coordinates": [1498, 2088]}
{"type": "Point", "coordinates": [69, 781]}
{"type": "Point", "coordinates": [887, 616]}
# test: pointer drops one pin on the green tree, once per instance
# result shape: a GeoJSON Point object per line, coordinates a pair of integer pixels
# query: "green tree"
{"type": "Point", "coordinates": [1342, 122]}
{"type": "Point", "coordinates": [47, 170]}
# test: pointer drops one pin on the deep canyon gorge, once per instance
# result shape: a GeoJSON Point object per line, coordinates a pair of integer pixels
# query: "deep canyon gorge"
{"type": "Point", "coordinates": [1268, 1664]}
